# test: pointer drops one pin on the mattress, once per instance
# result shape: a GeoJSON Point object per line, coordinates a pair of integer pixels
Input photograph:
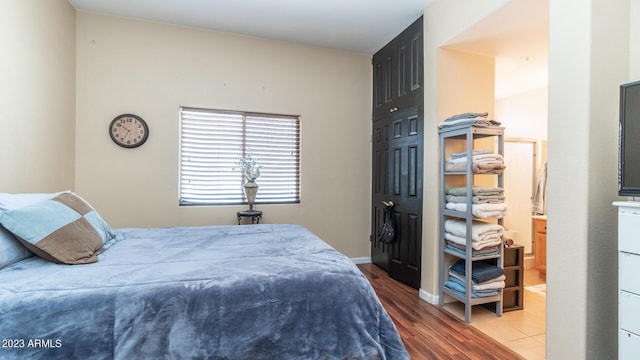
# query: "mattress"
{"type": "Point", "coordinates": [212, 292]}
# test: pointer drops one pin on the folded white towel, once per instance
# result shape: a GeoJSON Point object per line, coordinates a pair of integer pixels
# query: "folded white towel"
{"type": "Point", "coordinates": [473, 153]}
{"type": "Point", "coordinates": [476, 190]}
{"type": "Point", "coordinates": [475, 120]}
{"type": "Point", "coordinates": [475, 245]}
{"type": "Point", "coordinates": [477, 167]}
{"type": "Point", "coordinates": [490, 286]}
{"type": "Point", "coordinates": [491, 199]}
{"type": "Point", "coordinates": [482, 211]}
{"type": "Point", "coordinates": [479, 229]}
{"type": "Point", "coordinates": [479, 158]}
{"type": "Point", "coordinates": [499, 278]}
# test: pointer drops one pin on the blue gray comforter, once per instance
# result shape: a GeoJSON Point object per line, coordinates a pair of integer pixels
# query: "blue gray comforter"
{"type": "Point", "coordinates": [223, 292]}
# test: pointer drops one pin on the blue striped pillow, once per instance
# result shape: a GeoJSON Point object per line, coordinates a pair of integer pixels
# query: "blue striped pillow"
{"type": "Point", "coordinates": [64, 230]}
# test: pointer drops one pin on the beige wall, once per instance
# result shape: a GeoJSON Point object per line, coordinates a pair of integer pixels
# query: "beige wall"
{"type": "Point", "coordinates": [465, 83]}
{"type": "Point", "coordinates": [569, 116]}
{"type": "Point", "coordinates": [582, 225]}
{"type": "Point", "coordinates": [524, 115]}
{"type": "Point", "coordinates": [476, 72]}
{"type": "Point", "coordinates": [152, 69]}
{"type": "Point", "coordinates": [37, 95]}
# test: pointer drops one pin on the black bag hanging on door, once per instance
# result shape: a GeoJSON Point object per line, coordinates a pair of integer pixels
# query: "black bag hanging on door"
{"type": "Point", "coordinates": [387, 233]}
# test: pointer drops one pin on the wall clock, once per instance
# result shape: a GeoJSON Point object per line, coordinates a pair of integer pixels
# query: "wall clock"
{"type": "Point", "coordinates": [128, 130]}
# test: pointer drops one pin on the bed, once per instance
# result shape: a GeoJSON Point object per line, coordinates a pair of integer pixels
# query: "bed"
{"type": "Point", "coordinates": [211, 292]}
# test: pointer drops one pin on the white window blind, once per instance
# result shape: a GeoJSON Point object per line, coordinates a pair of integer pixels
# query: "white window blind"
{"type": "Point", "coordinates": [212, 141]}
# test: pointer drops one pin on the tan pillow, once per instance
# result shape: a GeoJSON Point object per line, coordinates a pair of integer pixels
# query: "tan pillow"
{"type": "Point", "coordinates": [64, 230]}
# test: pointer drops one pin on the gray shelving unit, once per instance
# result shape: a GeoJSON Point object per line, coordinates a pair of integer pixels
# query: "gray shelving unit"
{"type": "Point", "coordinates": [468, 134]}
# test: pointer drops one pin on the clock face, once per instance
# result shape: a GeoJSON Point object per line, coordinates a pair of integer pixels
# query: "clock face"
{"type": "Point", "coordinates": [128, 130]}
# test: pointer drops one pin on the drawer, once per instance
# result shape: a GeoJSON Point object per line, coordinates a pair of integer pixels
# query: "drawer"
{"type": "Point", "coordinates": [540, 226]}
{"type": "Point", "coordinates": [628, 345]}
{"type": "Point", "coordinates": [629, 312]}
{"type": "Point", "coordinates": [629, 232]}
{"type": "Point", "coordinates": [629, 268]}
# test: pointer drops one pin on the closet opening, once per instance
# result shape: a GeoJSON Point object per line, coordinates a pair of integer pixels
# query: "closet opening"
{"type": "Point", "coordinates": [503, 63]}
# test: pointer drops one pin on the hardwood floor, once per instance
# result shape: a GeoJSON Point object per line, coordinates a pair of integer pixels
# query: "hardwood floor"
{"type": "Point", "coordinates": [428, 331]}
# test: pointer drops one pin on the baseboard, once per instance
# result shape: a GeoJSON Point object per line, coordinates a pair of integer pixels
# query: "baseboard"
{"type": "Point", "coordinates": [361, 260]}
{"type": "Point", "coordinates": [431, 299]}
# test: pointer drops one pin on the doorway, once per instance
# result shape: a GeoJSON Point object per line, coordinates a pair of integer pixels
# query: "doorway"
{"type": "Point", "coordinates": [520, 160]}
{"type": "Point", "coordinates": [505, 55]}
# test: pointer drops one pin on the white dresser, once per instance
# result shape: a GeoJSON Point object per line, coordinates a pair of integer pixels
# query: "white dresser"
{"type": "Point", "coordinates": [628, 279]}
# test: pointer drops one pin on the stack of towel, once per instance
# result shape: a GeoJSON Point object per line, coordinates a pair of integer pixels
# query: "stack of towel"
{"type": "Point", "coordinates": [487, 202]}
{"type": "Point", "coordinates": [485, 237]}
{"type": "Point", "coordinates": [483, 162]}
{"type": "Point", "coordinates": [488, 280]}
{"type": "Point", "coordinates": [470, 118]}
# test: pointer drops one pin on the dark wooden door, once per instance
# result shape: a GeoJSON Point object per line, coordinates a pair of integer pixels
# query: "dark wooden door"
{"type": "Point", "coordinates": [385, 70]}
{"type": "Point", "coordinates": [398, 73]}
{"type": "Point", "coordinates": [405, 170]}
{"type": "Point", "coordinates": [397, 153]}
{"type": "Point", "coordinates": [397, 176]}
{"type": "Point", "coordinates": [380, 189]}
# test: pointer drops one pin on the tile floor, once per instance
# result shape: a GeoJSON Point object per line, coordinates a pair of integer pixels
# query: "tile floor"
{"type": "Point", "coordinates": [523, 331]}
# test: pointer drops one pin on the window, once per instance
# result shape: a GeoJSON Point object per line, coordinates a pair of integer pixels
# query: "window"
{"type": "Point", "coordinates": [212, 141]}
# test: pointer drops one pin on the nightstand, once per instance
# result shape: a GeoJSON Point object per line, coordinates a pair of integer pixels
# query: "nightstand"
{"type": "Point", "coordinates": [255, 216]}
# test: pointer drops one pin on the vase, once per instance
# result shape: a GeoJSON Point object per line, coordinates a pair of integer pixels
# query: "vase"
{"type": "Point", "coordinates": [250, 191]}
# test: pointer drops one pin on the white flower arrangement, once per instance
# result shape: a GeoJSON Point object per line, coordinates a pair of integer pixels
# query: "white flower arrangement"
{"type": "Point", "coordinates": [250, 169]}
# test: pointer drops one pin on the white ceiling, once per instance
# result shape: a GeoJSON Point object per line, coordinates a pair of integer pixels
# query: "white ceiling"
{"type": "Point", "coordinates": [362, 26]}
